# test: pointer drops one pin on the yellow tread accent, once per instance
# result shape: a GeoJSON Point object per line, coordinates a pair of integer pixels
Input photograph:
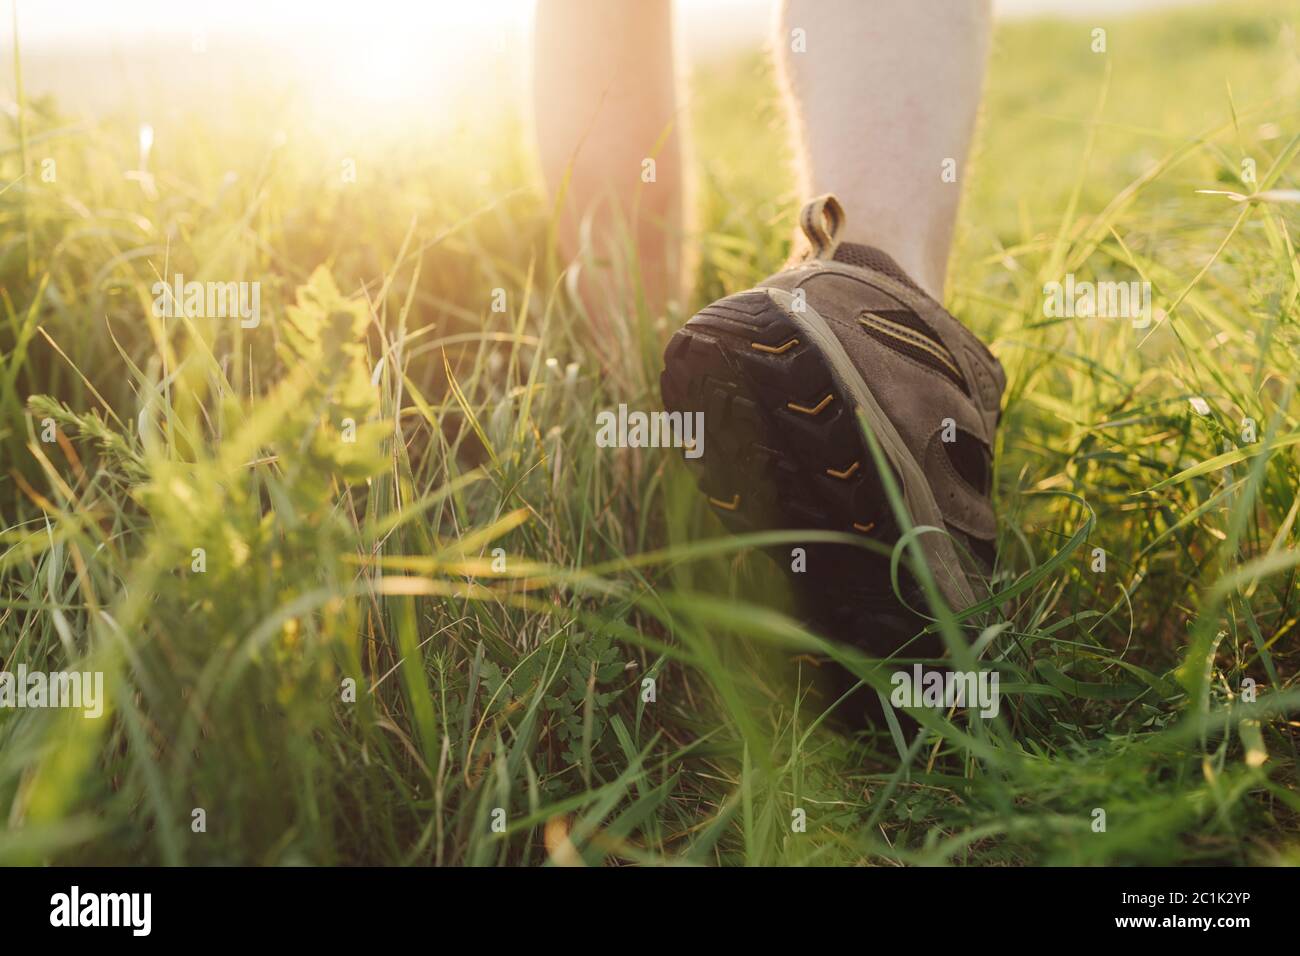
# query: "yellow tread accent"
{"type": "Point", "coordinates": [778, 350]}
{"type": "Point", "coordinates": [810, 411]}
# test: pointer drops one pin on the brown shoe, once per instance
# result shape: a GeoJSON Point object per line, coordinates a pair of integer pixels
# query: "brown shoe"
{"type": "Point", "coordinates": [779, 372]}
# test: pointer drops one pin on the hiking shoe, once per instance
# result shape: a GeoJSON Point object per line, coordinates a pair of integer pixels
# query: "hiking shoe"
{"type": "Point", "coordinates": [780, 372]}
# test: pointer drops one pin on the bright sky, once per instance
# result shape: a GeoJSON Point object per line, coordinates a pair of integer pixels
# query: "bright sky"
{"type": "Point", "coordinates": [45, 21]}
{"type": "Point", "coordinates": [364, 56]}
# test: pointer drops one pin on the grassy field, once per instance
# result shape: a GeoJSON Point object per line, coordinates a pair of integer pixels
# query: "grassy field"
{"type": "Point", "coordinates": [364, 590]}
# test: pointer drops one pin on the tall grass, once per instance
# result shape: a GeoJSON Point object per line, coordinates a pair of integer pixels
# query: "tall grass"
{"type": "Point", "coordinates": [427, 640]}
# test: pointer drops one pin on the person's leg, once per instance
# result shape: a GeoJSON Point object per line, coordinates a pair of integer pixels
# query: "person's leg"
{"type": "Point", "coordinates": [604, 105]}
{"type": "Point", "coordinates": [880, 96]}
{"type": "Point", "coordinates": [787, 376]}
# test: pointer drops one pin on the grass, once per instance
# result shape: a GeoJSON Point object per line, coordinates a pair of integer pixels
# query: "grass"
{"type": "Point", "coordinates": [385, 641]}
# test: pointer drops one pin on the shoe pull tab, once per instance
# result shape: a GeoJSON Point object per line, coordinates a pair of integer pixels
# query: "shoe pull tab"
{"type": "Point", "coordinates": [821, 221]}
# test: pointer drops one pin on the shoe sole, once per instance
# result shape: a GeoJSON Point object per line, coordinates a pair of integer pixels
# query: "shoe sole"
{"type": "Point", "coordinates": [783, 447]}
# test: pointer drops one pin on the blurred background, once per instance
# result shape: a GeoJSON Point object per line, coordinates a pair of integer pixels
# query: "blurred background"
{"type": "Point", "coordinates": [376, 63]}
